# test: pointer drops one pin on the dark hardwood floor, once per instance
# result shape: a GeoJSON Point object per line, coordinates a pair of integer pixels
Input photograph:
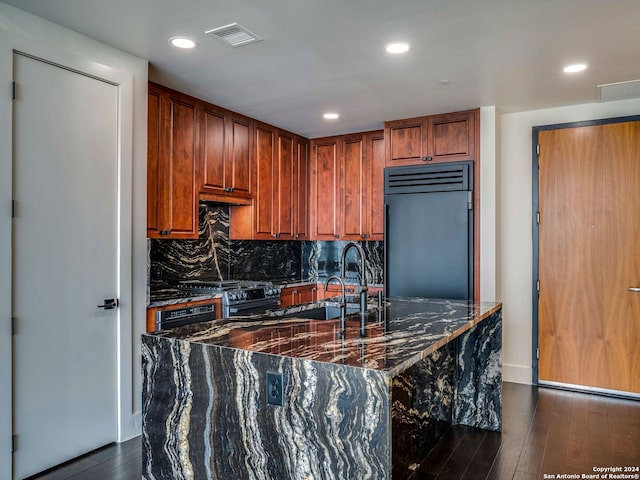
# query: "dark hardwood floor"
{"type": "Point", "coordinates": [545, 431]}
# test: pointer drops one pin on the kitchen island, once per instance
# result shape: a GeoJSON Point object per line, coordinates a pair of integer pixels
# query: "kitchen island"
{"type": "Point", "coordinates": [356, 407]}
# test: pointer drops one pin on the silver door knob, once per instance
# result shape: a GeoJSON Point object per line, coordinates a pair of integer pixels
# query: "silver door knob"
{"type": "Point", "coordinates": [634, 289]}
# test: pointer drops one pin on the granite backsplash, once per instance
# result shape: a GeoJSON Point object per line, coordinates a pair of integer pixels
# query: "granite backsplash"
{"type": "Point", "coordinates": [213, 256]}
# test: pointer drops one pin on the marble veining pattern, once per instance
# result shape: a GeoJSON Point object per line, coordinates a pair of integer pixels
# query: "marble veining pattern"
{"type": "Point", "coordinates": [402, 333]}
{"type": "Point", "coordinates": [320, 432]}
{"type": "Point", "coordinates": [374, 420]}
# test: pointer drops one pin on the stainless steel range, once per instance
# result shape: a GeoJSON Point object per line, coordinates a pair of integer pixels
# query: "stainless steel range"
{"type": "Point", "coordinates": [239, 297]}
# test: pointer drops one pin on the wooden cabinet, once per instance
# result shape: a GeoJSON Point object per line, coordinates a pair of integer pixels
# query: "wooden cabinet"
{"type": "Point", "coordinates": [280, 191]}
{"type": "Point", "coordinates": [299, 294]}
{"type": "Point", "coordinates": [347, 187]}
{"type": "Point", "coordinates": [325, 188]}
{"type": "Point", "coordinates": [449, 137]}
{"type": "Point", "coordinates": [225, 154]}
{"type": "Point", "coordinates": [172, 149]}
{"type": "Point", "coordinates": [300, 179]}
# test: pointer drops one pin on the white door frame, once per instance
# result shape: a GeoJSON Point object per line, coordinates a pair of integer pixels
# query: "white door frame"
{"type": "Point", "coordinates": [11, 40]}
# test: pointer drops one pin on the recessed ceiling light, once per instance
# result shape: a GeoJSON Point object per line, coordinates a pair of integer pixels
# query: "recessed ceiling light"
{"type": "Point", "coordinates": [396, 47]}
{"type": "Point", "coordinates": [331, 116]}
{"type": "Point", "coordinates": [182, 42]}
{"type": "Point", "coordinates": [578, 67]}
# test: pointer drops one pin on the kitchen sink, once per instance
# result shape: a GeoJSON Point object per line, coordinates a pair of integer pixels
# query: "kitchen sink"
{"type": "Point", "coordinates": [324, 311]}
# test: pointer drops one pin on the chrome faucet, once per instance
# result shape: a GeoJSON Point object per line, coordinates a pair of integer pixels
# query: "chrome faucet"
{"type": "Point", "coordinates": [363, 273]}
{"type": "Point", "coordinates": [343, 300]}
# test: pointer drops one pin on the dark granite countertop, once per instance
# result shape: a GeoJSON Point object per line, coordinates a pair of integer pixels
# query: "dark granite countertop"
{"type": "Point", "coordinates": [397, 336]}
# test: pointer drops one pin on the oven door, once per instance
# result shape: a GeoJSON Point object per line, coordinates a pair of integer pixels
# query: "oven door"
{"type": "Point", "coordinates": [177, 317]}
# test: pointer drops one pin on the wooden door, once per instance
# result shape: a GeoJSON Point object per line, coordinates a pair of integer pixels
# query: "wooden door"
{"type": "Point", "coordinates": [589, 256]}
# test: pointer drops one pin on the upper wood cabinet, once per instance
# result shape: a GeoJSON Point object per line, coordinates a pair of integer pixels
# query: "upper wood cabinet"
{"type": "Point", "coordinates": [347, 187]}
{"type": "Point", "coordinates": [300, 182]}
{"type": "Point", "coordinates": [280, 191]}
{"type": "Point", "coordinates": [172, 149]}
{"type": "Point", "coordinates": [325, 191]}
{"type": "Point", "coordinates": [449, 137]}
{"type": "Point", "coordinates": [225, 153]}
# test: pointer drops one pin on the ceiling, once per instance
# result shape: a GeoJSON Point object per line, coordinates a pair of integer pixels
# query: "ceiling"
{"type": "Point", "coordinates": [318, 56]}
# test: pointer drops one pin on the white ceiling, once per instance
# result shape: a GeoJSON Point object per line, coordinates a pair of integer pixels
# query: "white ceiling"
{"type": "Point", "coordinates": [321, 55]}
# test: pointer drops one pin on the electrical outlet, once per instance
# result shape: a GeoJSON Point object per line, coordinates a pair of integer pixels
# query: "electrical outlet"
{"type": "Point", "coordinates": [275, 388]}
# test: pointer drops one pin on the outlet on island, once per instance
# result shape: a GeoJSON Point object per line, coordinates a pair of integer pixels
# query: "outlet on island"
{"type": "Point", "coordinates": [275, 388]}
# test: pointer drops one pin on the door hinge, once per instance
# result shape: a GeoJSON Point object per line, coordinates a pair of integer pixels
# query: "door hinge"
{"type": "Point", "coordinates": [14, 326]}
{"type": "Point", "coordinates": [538, 218]}
{"type": "Point", "coordinates": [538, 149]}
{"type": "Point", "coordinates": [537, 354]}
{"type": "Point", "coordinates": [14, 443]}
{"type": "Point", "coordinates": [470, 200]}
{"type": "Point", "coordinates": [13, 208]}
{"type": "Point", "coordinates": [538, 286]}
{"type": "Point", "coordinates": [13, 90]}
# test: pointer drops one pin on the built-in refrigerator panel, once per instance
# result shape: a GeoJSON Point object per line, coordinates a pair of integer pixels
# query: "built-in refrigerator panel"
{"type": "Point", "coordinates": [429, 231]}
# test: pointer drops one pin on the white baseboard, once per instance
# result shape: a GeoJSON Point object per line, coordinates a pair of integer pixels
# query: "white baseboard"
{"type": "Point", "coordinates": [517, 374]}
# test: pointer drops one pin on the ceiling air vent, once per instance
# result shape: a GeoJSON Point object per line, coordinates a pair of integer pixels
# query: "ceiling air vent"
{"type": "Point", "coordinates": [235, 35]}
{"type": "Point", "coordinates": [609, 92]}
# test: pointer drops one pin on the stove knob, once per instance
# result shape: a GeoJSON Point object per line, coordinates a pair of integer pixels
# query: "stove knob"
{"type": "Point", "coordinates": [232, 296]}
{"type": "Point", "coordinates": [243, 295]}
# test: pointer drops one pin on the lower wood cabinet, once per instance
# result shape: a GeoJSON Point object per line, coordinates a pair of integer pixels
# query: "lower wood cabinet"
{"type": "Point", "coordinates": [299, 294]}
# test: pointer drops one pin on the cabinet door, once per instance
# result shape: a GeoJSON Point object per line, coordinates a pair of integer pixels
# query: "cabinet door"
{"type": "Point", "coordinates": [301, 189]}
{"type": "Point", "coordinates": [288, 296]}
{"type": "Point", "coordinates": [407, 141]}
{"type": "Point", "coordinates": [175, 159]}
{"type": "Point", "coordinates": [238, 158]}
{"type": "Point", "coordinates": [263, 199]}
{"type": "Point", "coordinates": [306, 293]}
{"type": "Point", "coordinates": [374, 210]}
{"type": "Point", "coordinates": [212, 151]}
{"type": "Point", "coordinates": [353, 187]}
{"type": "Point", "coordinates": [153, 164]}
{"type": "Point", "coordinates": [283, 183]}
{"type": "Point", "coordinates": [452, 137]}
{"type": "Point", "coordinates": [325, 189]}
{"type": "Point", "coordinates": [225, 163]}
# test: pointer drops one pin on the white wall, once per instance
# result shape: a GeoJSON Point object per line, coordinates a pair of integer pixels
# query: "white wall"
{"type": "Point", "coordinates": [19, 30]}
{"type": "Point", "coordinates": [488, 203]}
{"type": "Point", "coordinates": [515, 222]}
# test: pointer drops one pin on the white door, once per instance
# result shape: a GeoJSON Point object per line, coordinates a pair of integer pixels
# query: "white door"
{"type": "Point", "coordinates": [64, 264]}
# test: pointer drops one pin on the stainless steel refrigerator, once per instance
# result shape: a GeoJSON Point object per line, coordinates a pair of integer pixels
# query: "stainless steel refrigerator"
{"type": "Point", "coordinates": [429, 231]}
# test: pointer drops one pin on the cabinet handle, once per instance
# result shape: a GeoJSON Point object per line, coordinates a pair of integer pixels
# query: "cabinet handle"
{"type": "Point", "coordinates": [427, 159]}
{"type": "Point", "coordinates": [228, 189]}
{"type": "Point", "coordinates": [297, 236]}
{"type": "Point", "coordinates": [337, 236]}
{"type": "Point", "coordinates": [365, 235]}
{"type": "Point", "coordinates": [634, 289]}
{"type": "Point", "coordinates": [275, 235]}
{"type": "Point", "coordinates": [165, 232]}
